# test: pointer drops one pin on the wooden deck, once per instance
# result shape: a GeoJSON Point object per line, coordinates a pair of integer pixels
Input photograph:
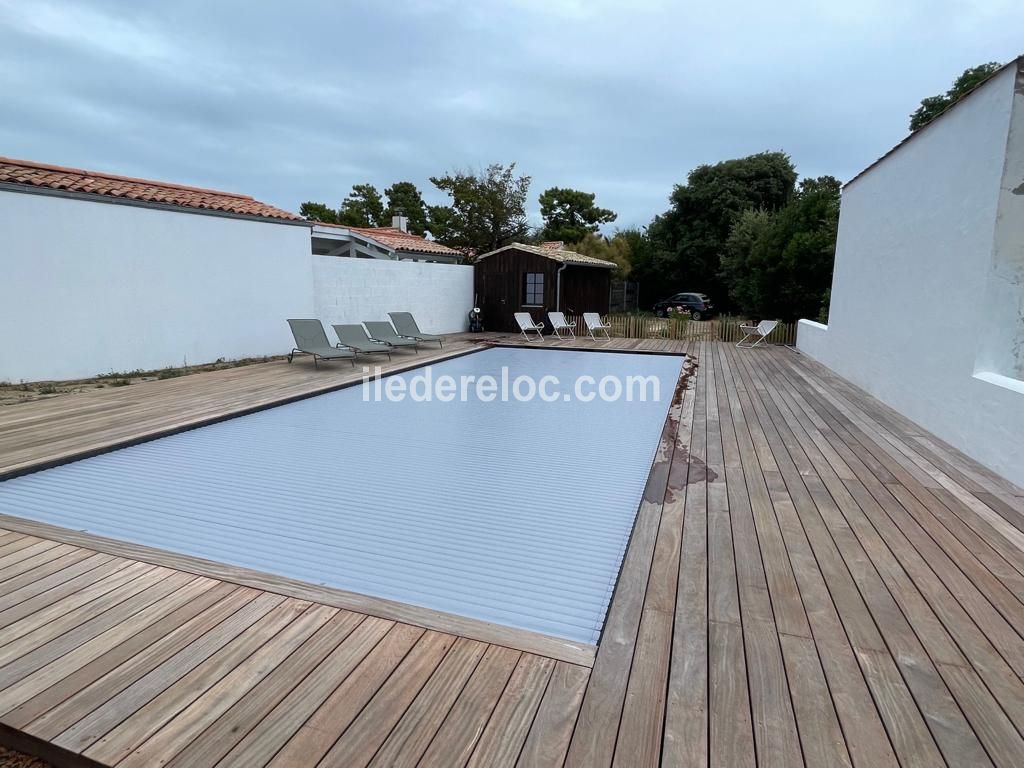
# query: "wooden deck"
{"type": "Point", "coordinates": [812, 580]}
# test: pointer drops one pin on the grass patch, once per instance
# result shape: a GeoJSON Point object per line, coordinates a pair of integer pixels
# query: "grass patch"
{"type": "Point", "coordinates": [172, 373]}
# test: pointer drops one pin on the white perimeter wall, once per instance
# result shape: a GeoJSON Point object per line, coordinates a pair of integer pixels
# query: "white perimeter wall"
{"type": "Point", "coordinates": [912, 265]}
{"type": "Point", "coordinates": [87, 288]}
{"type": "Point", "coordinates": [355, 290]}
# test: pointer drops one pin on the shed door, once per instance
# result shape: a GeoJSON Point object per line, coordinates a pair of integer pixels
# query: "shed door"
{"type": "Point", "coordinates": [499, 300]}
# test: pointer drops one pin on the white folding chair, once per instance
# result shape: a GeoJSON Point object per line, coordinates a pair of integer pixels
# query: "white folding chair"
{"type": "Point", "coordinates": [559, 324]}
{"type": "Point", "coordinates": [758, 332]}
{"type": "Point", "coordinates": [526, 324]}
{"type": "Point", "coordinates": [593, 322]}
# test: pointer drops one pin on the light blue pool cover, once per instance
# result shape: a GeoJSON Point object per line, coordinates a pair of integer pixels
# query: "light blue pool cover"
{"type": "Point", "coordinates": [512, 512]}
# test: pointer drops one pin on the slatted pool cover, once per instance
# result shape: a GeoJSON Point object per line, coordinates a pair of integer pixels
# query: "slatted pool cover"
{"type": "Point", "coordinates": [512, 512]}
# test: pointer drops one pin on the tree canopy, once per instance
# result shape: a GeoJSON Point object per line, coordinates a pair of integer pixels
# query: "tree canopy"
{"type": "Point", "coordinates": [688, 240]}
{"type": "Point", "coordinates": [779, 263]}
{"type": "Point", "coordinates": [318, 212]}
{"type": "Point", "coordinates": [487, 210]}
{"type": "Point", "coordinates": [570, 214]}
{"type": "Point", "coordinates": [933, 106]}
{"type": "Point", "coordinates": [405, 199]}
{"type": "Point", "coordinates": [617, 249]}
{"type": "Point", "coordinates": [363, 207]}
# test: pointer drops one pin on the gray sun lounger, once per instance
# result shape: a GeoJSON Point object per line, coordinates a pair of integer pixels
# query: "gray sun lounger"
{"type": "Point", "coordinates": [310, 339]}
{"type": "Point", "coordinates": [382, 330]}
{"type": "Point", "coordinates": [405, 324]}
{"type": "Point", "coordinates": [356, 338]}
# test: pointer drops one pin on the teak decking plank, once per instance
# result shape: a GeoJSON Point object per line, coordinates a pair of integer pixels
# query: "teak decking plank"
{"type": "Point", "coordinates": [420, 722]}
{"type": "Point", "coordinates": [205, 709]}
{"type": "Point", "coordinates": [47, 677]}
{"type": "Point", "coordinates": [35, 590]}
{"type": "Point", "coordinates": [927, 577]}
{"type": "Point", "coordinates": [772, 716]}
{"type": "Point", "coordinates": [361, 740]}
{"type": "Point", "coordinates": [685, 740]}
{"type": "Point", "coordinates": [548, 740]}
{"type": "Point", "coordinates": [502, 740]}
{"type": "Point", "coordinates": [99, 690]}
{"type": "Point", "coordinates": [942, 716]}
{"type": "Point", "coordinates": [454, 742]}
{"type": "Point", "coordinates": [287, 717]}
{"type": "Point", "coordinates": [330, 720]}
{"type": "Point", "coordinates": [46, 563]}
{"type": "Point", "coordinates": [848, 699]}
{"type": "Point", "coordinates": [911, 738]}
{"type": "Point", "coordinates": [44, 643]}
{"type": "Point", "coordinates": [221, 736]}
{"type": "Point", "coordinates": [97, 723]}
{"type": "Point", "coordinates": [118, 742]}
{"type": "Point", "coordinates": [78, 679]}
{"type": "Point", "coordinates": [641, 727]}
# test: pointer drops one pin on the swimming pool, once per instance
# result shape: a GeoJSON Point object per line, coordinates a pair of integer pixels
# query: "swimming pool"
{"type": "Point", "coordinates": [508, 511]}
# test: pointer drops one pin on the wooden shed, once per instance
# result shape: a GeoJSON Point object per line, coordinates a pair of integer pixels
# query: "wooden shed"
{"type": "Point", "coordinates": [539, 279]}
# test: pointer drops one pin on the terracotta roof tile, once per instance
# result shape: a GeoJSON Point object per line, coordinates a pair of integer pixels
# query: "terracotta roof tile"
{"type": "Point", "coordinates": [557, 254]}
{"type": "Point", "coordinates": [395, 238]}
{"type": "Point", "coordinates": [105, 184]}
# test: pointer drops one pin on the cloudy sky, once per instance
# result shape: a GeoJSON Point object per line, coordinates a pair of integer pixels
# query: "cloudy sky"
{"type": "Point", "coordinates": [296, 101]}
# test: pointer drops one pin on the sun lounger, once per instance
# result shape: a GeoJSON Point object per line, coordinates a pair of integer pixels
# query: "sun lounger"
{"type": "Point", "coordinates": [384, 332]}
{"type": "Point", "coordinates": [758, 332]}
{"type": "Point", "coordinates": [526, 324]}
{"type": "Point", "coordinates": [593, 322]}
{"type": "Point", "coordinates": [310, 339]}
{"type": "Point", "coordinates": [560, 325]}
{"type": "Point", "coordinates": [355, 337]}
{"type": "Point", "coordinates": [406, 326]}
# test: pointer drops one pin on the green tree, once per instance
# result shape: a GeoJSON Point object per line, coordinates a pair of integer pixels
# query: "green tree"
{"type": "Point", "coordinates": [570, 214]}
{"type": "Point", "coordinates": [779, 264]}
{"type": "Point", "coordinates": [616, 248]}
{"type": "Point", "coordinates": [688, 240]}
{"type": "Point", "coordinates": [441, 223]}
{"type": "Point", "coordinates": [488, 209]}
{"type": "Point", "coordinates": [741, 271]}
{"type": "Point", "coordinates": [933, 106]}
{"type": "Point", "coordinates": [318, 212]}
{"type": "Point", "coordinates": [363, 207]}
{"type": "Point", "coordinates": [405, 199]}
{"type": "Point", "coordinates": [648, 265]}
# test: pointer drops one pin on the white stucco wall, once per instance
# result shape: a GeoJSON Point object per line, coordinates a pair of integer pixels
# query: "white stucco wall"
{"type": "Point", "coordinates": [87, 288]}
{"type": "Point", "coordinates": [353, 290]}
{"type": "Point", "coordinates": [913, 263]}
{"type": "Point", "coordinates": [1002, 342]}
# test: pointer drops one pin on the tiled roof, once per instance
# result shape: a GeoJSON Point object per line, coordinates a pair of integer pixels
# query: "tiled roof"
{"type": "Point", "coordinates": [76, 180]}
{"type": "Point", "coordinates": [398, 240]}
{"type": "Point", "coordinates": [557, 254]}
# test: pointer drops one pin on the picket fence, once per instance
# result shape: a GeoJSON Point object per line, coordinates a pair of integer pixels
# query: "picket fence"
{"type": "Point", "coordinates": [724, 328]}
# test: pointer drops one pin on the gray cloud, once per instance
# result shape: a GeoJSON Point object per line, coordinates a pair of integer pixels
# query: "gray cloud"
{"type": "Point", "coordinates": [298, 101]}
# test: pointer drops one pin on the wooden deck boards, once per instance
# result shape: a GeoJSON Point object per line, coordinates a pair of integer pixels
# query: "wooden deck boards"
{"type": "Point", "coordinates": [812, 579]}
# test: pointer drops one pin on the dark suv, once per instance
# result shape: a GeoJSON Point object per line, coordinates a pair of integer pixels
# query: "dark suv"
{"type": "Point", "coordinates": [698, 304]}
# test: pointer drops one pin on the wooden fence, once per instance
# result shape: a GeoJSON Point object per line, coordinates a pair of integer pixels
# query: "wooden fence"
{"type": "Point", "coordinates": [724, 328]}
